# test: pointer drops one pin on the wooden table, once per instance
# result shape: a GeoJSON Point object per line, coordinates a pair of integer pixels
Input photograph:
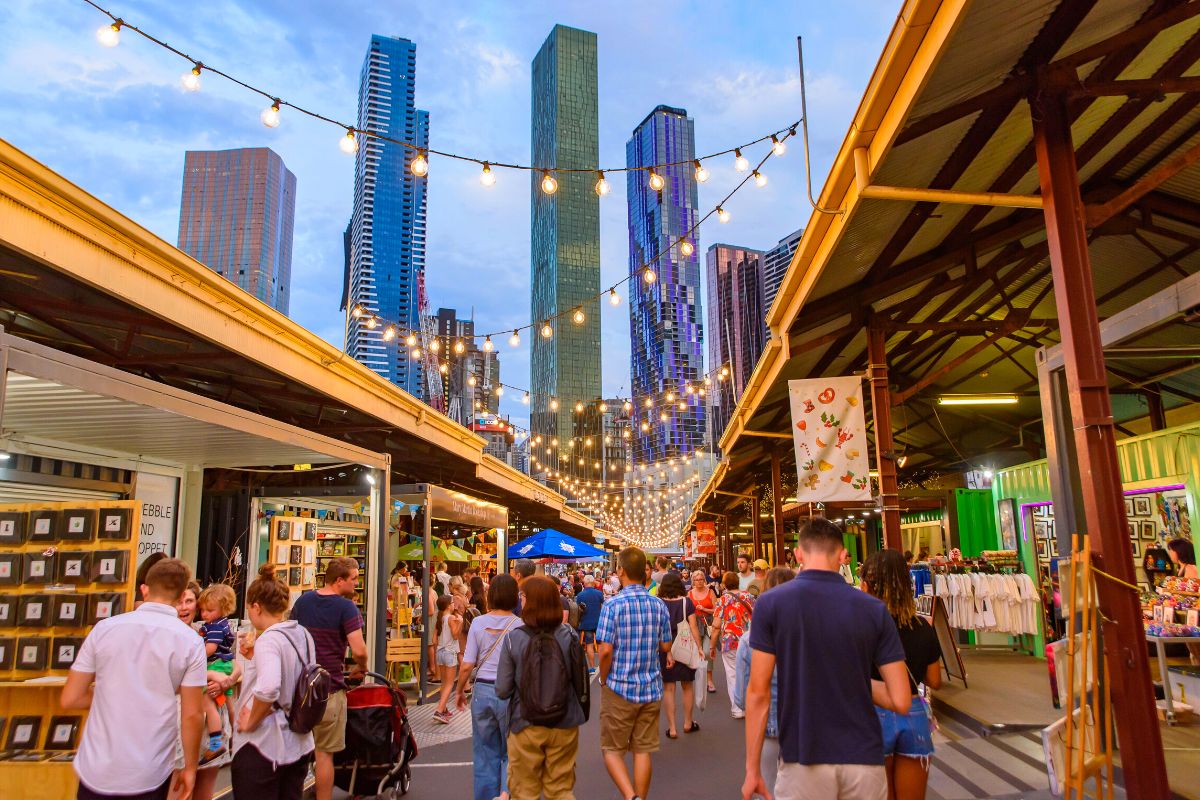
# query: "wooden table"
{"type": "Point", "coordinates": [1158, 642]}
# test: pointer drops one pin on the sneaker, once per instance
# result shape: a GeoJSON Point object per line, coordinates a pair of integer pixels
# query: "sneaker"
{"type": "Point", "coordinates": [442, 717]}
{"type": "Point", "coordinates": [739, 714]}
{"type": "Point", "coordinates": [210, 755]}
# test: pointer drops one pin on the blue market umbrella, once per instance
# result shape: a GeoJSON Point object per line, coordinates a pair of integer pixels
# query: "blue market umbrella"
{"type": "Point", "coordinates": [550, 543]}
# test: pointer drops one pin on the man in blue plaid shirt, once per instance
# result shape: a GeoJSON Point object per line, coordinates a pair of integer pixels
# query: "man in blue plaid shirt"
{"type": "Point", "coordinates": [634, 628]}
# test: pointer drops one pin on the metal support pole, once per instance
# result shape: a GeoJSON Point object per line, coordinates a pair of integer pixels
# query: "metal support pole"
{"type": "Point", "coordinates": [426, 554]}
{"type": "Point", "coordinates": [1064, 464]}
{"type": "Point", "coordinates": [756, 523]}
{"type": "Point", "coordinates": [381, 509]}
{"type": "Point", "coordinates": [885, 455]}
{"type": "Point", "coordinates": [1138, 733]}
{"type": "Point", "coordinates": [777, 505]}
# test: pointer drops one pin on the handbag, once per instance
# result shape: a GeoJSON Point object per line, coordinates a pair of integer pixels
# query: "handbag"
{"type": "Point", "coordinates": [700, 693]}
{"type": "Point", "coordinates": [684, 649]}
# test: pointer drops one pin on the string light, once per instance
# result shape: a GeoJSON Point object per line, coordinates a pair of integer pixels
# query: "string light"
{"type": "Point", "coordinates": [525, 400]}
{"type": "Point", "coordinates": [191, 79]}
{"type": "Point", "coordinates": [416, 353]}
{"type": "Point", "coordinates": [110, 35]}
{"type": "Point", "coordinates": [648, 275]}
{"type": "Point", "coordinates": [578, 317]}
{"type": "Point", "coordinates": [722, 214]}
{"type": "Point", "coordinates": [740, 162]}
{"type": "Point", "coordinates": [389, 333]}
{"type": "Point", "coordinates": [628, 406]}
{"type": "Point", "coordinates": [372, 322]}
{"type": "Point", "coordinates": [549, 184]}
{"type": "Point", "coordinates": [443, 368]}
{"type": "Point", "coordinates": [701, 172]}
{"type": "Point", "coordinates": [614, 299]}
{"type": "Point", "coordinates": [554, 407]}
{"type": "Point", "coordinates": [471, 380]}
{"type": "Point", "coordinates": [602, 187]}
{"type": "Point", "coordinates": [547, 330]}
{"type": "Point", "coordinates": [411, 341]}
{"type": "Point", "coordinates": [499, 391]}
{"type": "Point", "coordinates": [348, 144]}
{"type": "Point", "coordinates": [356, 311]}
{"type": "Point", "coordinates": [487, 345]}
{"type": "Point", "coordinates": [270, 116]}
{"type": "Point", "coordinates": [656, 181]}
{"type": "Point", "coordinates": [760, 180]}
{"type": "Point", "coordinates": [487, 177]}
{"type": "Point", "coordinates": [420, 165]}
{"type": "Point", "coordinates": [459, 347]}
{"type": "Point", "coordinates": [515, 339]}
{"type": "Point", "coordinates": [686, 248]}
{"type": "Point", "coordinates": [778, 147]}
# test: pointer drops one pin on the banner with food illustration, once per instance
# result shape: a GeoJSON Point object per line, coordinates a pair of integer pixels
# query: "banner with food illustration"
{"type": "Point", "coordinates": [829, 429]}
{"type": "Point", "coordinates": [706, 538]}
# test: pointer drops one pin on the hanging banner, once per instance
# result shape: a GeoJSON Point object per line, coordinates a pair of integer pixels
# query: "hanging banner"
{"type": "Point", "coordinates": [829, 429]}
{"type": "Point", "coordinates": [706, 537]}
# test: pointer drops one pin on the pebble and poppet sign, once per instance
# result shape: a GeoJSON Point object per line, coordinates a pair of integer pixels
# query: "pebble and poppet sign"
{"type": "Point", "coordinates": [829, 431]}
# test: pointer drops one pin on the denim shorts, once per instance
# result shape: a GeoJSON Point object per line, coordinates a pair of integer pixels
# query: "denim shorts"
{"type": "Point", "coordinates": [906, 734]}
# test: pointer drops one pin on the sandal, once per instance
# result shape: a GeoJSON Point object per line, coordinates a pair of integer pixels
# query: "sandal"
{"type": "Point", "coordinates": [695, 727]}
{"type": "Point", "coordinates": [712, 690]}
{"type": "Point", "coordinates": [672, 735]}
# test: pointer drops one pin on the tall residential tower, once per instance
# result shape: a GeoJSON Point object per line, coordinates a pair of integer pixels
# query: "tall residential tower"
{"type": "Point", "coordinates": [665, 316]}
{"type": "Point", "coordinates": [236, 217]}
{"type": "Point", "coordinates": [565, 237]}
{"type": "Point", "coordinates": [385, 260]}
{"type": "Point", "coordinates": [736, 334]}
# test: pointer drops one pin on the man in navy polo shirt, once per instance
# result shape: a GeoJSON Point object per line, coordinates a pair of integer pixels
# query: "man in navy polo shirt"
{"type": "Point", "coordinates": [823, 637]}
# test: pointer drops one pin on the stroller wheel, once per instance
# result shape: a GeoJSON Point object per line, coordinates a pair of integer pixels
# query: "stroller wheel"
{"type": "Point", "coordinates": [405, 781]}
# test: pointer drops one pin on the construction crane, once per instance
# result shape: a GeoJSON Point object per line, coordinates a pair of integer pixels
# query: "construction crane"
{"type": "Point", "coordinates": [431, 355]}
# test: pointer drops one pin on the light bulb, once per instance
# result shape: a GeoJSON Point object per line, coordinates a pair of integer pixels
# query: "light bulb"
{"type": "Point", "coordinates": [724, 372]}
{"type": "Point", "coordinates": [701, 172]}
{"type": "Point", "coordinates": [554, 407]}
{"type": "Point", "coordinates": [547, 330]}
{"type": "Point", "coordinates": [515, 339]}
{"type": "Point", "coordinates": [109, 35]}
{"type": "Point", "coordinates": [670, 397]}
{"type": "Point", "coordinates": [740, 163]}
{"type": "Point", "coordinates": [270, 116]}
{"type": "Point", "coordinates": [411, 341]}
{"type": "Point", "coordinates": [487, 177]}
{"type": "Point", "coordinates": [778, 147]}
{"type": "Point", "coordinates": [420, 165]}
{"type": "Point", "coordinates": [443, 368]}
{"type": "Point", "coordinates": [191, 80]}
{"type": "Point", "coordinates": [471, 380]}
{"type": "Point", "coordinates": [663, 416]}
{"type": "Point", "coordinates": [459, 347]}
{"type": "Point", "coordinates": [499, 391]}
{"type": "Point", "coordinates": [602, 187]}
{"type": "Point", "coordinates": [656, 181]}
{"type": "Point", "coordinates": [648, 276]}
{"type": "Point", "coordinates": [348, 143]}
{"type": "Point", "coordinates": [614, 298]}
{"type": "Point", "coordinates": [487, 344]}
{"type": "Point", "coordinates": [722, 214]}
{"type": "Point", "coordinates": [649, 403]}
{"type": "Point", "coordinates": [416, 353]}
{"type": "Point", "coordinates": [525, 399]}
{"type": "Point", "coordinates": [579, 408]}
{"type": "Point", "coordinates": [760, 180]}
{"type": "Point", "coordinates": [578, 317]}
{"type": "Point", "coordinates": [372, 322]}
{"type": "Point", "coordinates": [604, 408]}
{"type": "Point", "coordinates": [357, 311]}
{"type": "Point", "coordinates": [549, 185]}
{"type": "Point", "coordinates": [686, 248]}
{"type": "Point", "coordinates": [389, 333]}
{"type": "Point", "coordinates": [682, 406]}
{"type": "Point", "coordinates": [628, 406]}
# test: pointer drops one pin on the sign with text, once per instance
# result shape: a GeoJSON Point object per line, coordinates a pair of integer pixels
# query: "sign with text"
{"type": "Point", "coordinates": [159, 498]}
{"type": "Point", "coordinates": [706, 538]}
{"type": "Point", "coordinates": [829, 430]}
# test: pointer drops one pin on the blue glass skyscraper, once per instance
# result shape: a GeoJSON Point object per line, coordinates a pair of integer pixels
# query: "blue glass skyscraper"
{"type": "Point", "coordinates": [665, 316]}
{"type": "Point", "coordinates": [385, 259]}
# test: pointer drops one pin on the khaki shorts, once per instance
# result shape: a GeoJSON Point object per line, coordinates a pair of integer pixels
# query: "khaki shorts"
{"type": "Point", "coordinates": [821, 781]}
{"type": "Point", "coordinates": [330, 733]}
{"type": "Point", "coordinates": [626, 726]}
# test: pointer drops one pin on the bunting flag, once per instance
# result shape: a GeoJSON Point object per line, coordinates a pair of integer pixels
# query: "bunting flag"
{"type": "Point", "coordinates": [829, 430]}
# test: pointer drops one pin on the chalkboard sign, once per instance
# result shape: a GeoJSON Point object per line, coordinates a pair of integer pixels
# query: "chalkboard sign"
{"type": "Point", "coordinates": [933, 611]}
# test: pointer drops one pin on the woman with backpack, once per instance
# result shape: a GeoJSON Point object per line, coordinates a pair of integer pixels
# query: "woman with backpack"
{"type": "Point", "coordinates": [681, 609]}
{"type": "Point", "coordinates": [543, 674]}
{"type": "Point", "coordinates": [270, 759]}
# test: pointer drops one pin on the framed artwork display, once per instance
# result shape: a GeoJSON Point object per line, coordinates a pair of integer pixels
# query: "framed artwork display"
{"type": "Point", "coordinates": [1141, 505]}
{"type": "Point", "coordinates": [78, 525]}
{"type": "Point", "coordinates": [42, 526]}
{"type": "Point", "coordinates": [1137, 548]}
{"type": "Point", "coordinates": [1041, 529]}
{"type": "Point", "coordinates": [63, 733]}
{"type": "Point", "coordinates": [1133, 530]}
{"type": "Point", "coordinates": [64, 651]}
{"type": "Point", "coordinates": [70, 610]}
{"type": "Point", "coordinates": [294, 576]}
{"type": "Point", "coordinates": [10, 569]}
{"type": "Point", "coordinates": [310, 531]}
{"type": "Point", "coordinates": [1043, 549]}
{"type": "Point", "coordinates": [8, 611]}
{"type": "Point", "coordinates": [281, 553]}
{"type": "Point", "coordinates": [34, 611]}
{"type": "Point", "coordinates": [296, 555]}
{"type": "Point", "coordinates": [1008, 523]}
{"type": "Point", "coordinates": [1129, 506]}
{"type": "Point", "coordinates": [32, 652]}
{"type": "Point", "coordinates": [283, 529]}
{"type": "Point", "coordinates": [297, 531]}
{"type": "Point", "coordinates": [310, 575]}
{"type": "Point", "coordinates": [8, 647]}
{"type": "Point", "coordinates": [1041, 511]}
{"type": "Point", "coordinates": [115, 524]}
{"type": "Point", "coordinates": [74, 567]}
{"type": "Point", "coordinates": [110, 566]}
{"type": "Point", "coordinates": [23, 733]}
{"type": "Point", "coordinates": [12, 527]}
{"type": "Point", "coordinates": [38, 569]}
{"type": "Point", "coordinates": [309, 553]}
{"type": "Point", "coordinates": [1149, 530]}
{"type": "Point", "coordinates": [105, 605]}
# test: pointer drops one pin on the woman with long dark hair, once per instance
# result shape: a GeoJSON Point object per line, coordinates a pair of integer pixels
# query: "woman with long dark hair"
{"type": "Point", "coordinates": [681, 609]}
{"type": "Point", "coordinates": [907, 738]}
{"type": "Point", "coordinates": [1183, 556]}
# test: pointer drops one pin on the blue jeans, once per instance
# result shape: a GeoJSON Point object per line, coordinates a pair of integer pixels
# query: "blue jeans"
{"type": "Point", "coordinates": [906, 734]}
{"type": "Point", "coordinates": [489, 736]}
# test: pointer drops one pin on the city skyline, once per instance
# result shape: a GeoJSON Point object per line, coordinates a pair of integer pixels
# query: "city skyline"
{"type": "Point", "coordinates": [132, 125]}
{"type": "Point", "coordinates": [736, 333]}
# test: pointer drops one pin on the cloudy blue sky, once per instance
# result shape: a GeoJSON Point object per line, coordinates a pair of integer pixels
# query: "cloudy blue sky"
{"type": "Point", "coordinates": [117, 122]}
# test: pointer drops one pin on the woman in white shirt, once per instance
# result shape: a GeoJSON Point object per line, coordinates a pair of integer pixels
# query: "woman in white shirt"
{"type": "Point", "coordinates": [269, 759]}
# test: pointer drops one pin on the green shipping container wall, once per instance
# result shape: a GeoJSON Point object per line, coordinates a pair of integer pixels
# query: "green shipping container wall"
{"type": "Point", "coordinates": [975, 521]}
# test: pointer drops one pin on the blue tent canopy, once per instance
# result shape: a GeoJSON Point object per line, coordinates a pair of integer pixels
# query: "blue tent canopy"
{"type": "Point", "coordinates": [554, 544]}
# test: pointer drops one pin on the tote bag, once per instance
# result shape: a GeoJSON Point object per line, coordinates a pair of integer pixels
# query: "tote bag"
{"type": "Point", "coordinates": [684, 649]}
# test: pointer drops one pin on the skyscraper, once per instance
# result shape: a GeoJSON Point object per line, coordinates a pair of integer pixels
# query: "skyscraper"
{"type": "Point", "coordinates": [565, 235]}
{"type": "Point", "coordinates": [385, 262]}
{"type": "Point", "coordinates": [236, 217]}
{"type": "Point", "coordinates": [471, 377]}
{"type": "Point", "coordinates": [667, 334]}
{"type": "Point", "coordinates": [736, 334]}
{"type": "Point", "coordinates": [775, 266]}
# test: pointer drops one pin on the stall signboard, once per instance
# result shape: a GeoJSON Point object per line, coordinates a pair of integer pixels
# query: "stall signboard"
{"type": "Point", "coordinates": [706, 537]}
{"type": "Point", "coordinates": [466, 510]}
{"type": "Point", "coordinates": [159, 498]}
{"type": "Point", "coordinates": [829, 430]}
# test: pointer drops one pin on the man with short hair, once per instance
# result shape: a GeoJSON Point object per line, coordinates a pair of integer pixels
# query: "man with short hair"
{"type": "Point", "coordinates": [633, 629]}
{"type": "Point", "coordinates": [661, 564]}
{"type": "Point", "coordinates": [744, 573]}
{"type": "Point", "coordinates": [591, 599]}
{"type": "Point", "coordinates": [822, 637]}
{"type": "Point", "coordinates": [139, 662]}
{"type": "Point", "coordinates": [758, 582]}
{"type": "Point", "coordinates": [334, 622]}
{"type": "Point", "coordinates": [443, 578]}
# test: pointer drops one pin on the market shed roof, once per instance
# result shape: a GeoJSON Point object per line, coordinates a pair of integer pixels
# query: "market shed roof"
{"type": "Point", "coordinates": [77, 275]}
{"type": "Point", "coordinates": [965, 289]}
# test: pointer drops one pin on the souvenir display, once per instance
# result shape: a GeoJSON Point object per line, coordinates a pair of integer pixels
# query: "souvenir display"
{"type": "Point", "coordinates": [105, 605]}
{"type": "Point", "coordinates": [310, 531]}
{"type": "Point", "coordinates": [78, 525]}
{"type": "Point", "coordinates": [42, 526]}
{"type": "Point", "coordinates": [8, 611]}
{"type": "Point", "coordinates": [114, 524]}
{"type": "Point", "coordinates": [109, 566]}
{"type": "Point", "coordinates": [34, 611]}
{"type": "Point", "coordinates": [70, 611]}
{"type": "Point", "coordinates": [294, 576]}
{"type": "Point", "coordinates": [32, 653]}
{"type": "Point", "coordinates": [297, 554]}
{"type": "Point", "coordinates": [283, 529]}
{"type": "Point", "coordinates": [10, 569]}
{"type": "Point", "coordinates": [64, 650]}
{"type": "Point", "coordinates": [8, 647]}
{"type": "Point", "coordinates": [63, 733]}
{"type": "Point", "coordinates": [74, 567]}
{"type": "Point", "coordinates": [23, 733]}
{"type": "Point", "coordinates": [12, 528]}
{"type": "Point", "coordinates": [38, 569]}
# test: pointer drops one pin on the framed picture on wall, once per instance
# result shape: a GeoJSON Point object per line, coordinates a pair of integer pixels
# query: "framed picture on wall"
{"type": "Point", "coordinates": [1041, 511]}
{"type": "Point", "coordinates": [1041, 529]}
{"type": "Point", "coordinates": [283, 529]}
{"type": "Point", "coordinates": [1149, 530]}
{"type": "Point", "coordinates": [1043, 549]}
{"type": "Point", "coordinates": [1008, 523]}
{"type": "Point", "coordinates": [1129, 506]}
{"type": "Point", "coordinates": [1133, 529]}
{"type": "Point", "coordinates": [1142, 505]}
{"type": "Point", "coordinates": [1137, 549]}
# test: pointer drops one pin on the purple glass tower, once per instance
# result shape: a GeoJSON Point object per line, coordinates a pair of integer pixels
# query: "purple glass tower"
{"type": "Point", "coordinates": [736, 333]}
{"type": "Point", "coordinates": [665, 317]}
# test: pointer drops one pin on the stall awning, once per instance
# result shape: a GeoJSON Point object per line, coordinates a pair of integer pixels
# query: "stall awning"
{"type": "Point", "coordinates": [54, 400]}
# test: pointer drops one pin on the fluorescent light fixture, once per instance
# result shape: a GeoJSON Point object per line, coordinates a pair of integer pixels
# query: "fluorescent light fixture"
{"type": "Point", "coordinates": [790, 500]}
{"type": "Point", "coordinates": [370, 479]}
{"type": "Point", "coordinates": [746, 525]}
{"type": "Point", "coordinates": [5, 456]}
{"type": "Point", "coordinates": [977, 400]}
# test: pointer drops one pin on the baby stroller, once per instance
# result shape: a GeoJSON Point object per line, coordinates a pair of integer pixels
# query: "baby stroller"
{"type": "Point", "coordinates": [379, 742]}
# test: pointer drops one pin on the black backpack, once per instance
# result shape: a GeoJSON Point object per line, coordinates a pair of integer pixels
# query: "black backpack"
{"type": "Point", "coordinates": [548, 683]}
{"type": "Point", "coordinates": [310, 694]}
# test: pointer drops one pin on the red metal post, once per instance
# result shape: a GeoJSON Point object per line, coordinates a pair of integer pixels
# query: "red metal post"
{"type": "Point", "coordinates": [756, 522]}
{"type": "Point", "coordinates": [885, 454]}
{"type": "Point", "coordinates": [1138, 733]}
{"type": "Point", "coordinates": [777, 505]}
